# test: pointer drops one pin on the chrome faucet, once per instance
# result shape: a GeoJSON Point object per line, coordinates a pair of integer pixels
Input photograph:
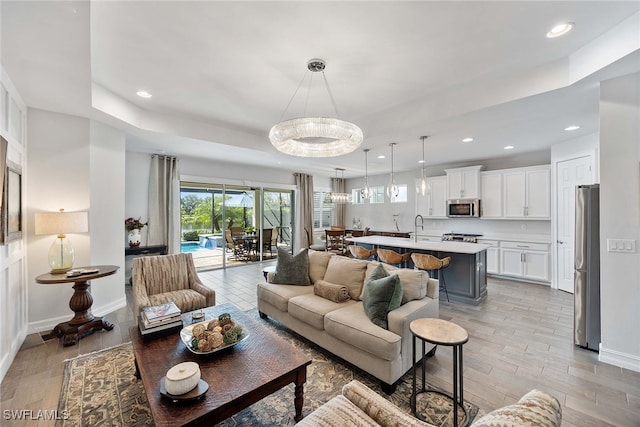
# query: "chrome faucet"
{"type": "Point", "coordinates": [415, 226]}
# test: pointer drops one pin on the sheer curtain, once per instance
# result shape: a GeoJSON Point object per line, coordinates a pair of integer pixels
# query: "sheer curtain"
{"type": "Point", "coordinates": [337, 185]}
{"type": "Point", "coordinates": [164, 203]}
{"type": "Point", "coordinates": [304, 209]}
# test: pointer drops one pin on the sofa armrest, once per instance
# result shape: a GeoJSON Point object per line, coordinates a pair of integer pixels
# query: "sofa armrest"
{"type": "Point", "coordinates": [400, 318]}
{"type": "Point", "coordinates": [535, 408]}
{"type": "Point", "coordinates": [208, 293]}
{"type": "Point", "coordinates": [378, 408]}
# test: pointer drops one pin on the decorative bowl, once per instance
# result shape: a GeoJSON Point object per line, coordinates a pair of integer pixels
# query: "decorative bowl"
{"type": "Point", "coordinates": [186, 335]}
{"type": "Point", "coordinates": [182, 378]}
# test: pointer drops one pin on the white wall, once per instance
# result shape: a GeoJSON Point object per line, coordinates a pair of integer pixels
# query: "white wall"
{"type": "Point", "coordinates": [69, 169]}
{"type": "Point", "coordinates": [620, 219]}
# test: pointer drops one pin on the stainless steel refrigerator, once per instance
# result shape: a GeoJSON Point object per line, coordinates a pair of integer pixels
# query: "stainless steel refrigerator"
{"type": "Point", "coordinates": [586, 330]}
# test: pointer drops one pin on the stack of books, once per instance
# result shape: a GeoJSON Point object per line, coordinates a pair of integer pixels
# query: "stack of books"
{"type": "Point", "coordinates": [160, 320]}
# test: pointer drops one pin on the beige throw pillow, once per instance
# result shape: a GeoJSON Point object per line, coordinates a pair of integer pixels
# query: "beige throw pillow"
{"type": "Point", "coordinates": [347, 272]}
{"type": "Point", "coordinates": [318, 261]}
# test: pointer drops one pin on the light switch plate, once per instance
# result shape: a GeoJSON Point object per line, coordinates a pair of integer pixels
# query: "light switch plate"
{"type": "Point", "coordinates": [621, 245]}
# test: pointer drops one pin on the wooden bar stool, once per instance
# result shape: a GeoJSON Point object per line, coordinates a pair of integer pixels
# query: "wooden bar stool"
{"type": "Point", "coordinates": [431, 264]}
{"type": "Point", "coordinates": [362, 252]}
{"type": "Point", "coordinates": [392, 257]}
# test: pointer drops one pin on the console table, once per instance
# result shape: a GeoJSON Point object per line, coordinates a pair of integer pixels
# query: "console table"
{"type": "Point", "coordinates": [83, 322]}
{"type": "Point", "coordinates": [136, 251]}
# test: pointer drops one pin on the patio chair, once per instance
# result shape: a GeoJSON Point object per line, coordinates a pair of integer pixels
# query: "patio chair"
{"type": "Point", "coordinates": [236, 246]}
{"type": "Point", "coordinates": [163, 278]}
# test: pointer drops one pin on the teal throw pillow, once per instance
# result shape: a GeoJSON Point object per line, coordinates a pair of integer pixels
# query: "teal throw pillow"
{"type": "Point", "coordinates": [380, 297]}
{"type": "Point", "coordinates": [292, 269]}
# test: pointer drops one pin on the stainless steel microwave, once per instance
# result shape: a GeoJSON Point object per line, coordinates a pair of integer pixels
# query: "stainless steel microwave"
{"type": "Point", "coordinates": [463, 208]}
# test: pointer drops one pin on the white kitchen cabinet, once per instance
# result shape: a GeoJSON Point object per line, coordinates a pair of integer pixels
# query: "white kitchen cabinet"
{"type": "Point", "coordinates": [463, 183]}
{"type": "Point", "coordinates": [528, 261]}
{"type": "Point", "coordinates": [434, 203]}
{"type": "Point", "coordinates": [493, 256]}
{"type": "Point", "coordinates": [491, 194]}
{"type": "Point", "coordinates": [527, 193]}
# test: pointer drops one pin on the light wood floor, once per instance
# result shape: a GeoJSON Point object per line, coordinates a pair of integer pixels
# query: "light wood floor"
{"type": "Point", "coordinates": [520, 338]}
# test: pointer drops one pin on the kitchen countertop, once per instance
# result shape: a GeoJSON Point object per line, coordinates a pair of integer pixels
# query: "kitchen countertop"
{"type": "Point", "coordinates": [525, 238]}
{"type": "Point", "coordinates": [399, 242]}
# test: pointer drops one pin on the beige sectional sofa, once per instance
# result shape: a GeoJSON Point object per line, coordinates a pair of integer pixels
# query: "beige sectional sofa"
{"type": "Point", "coordinates": [361, 406]}
{"type": "Point", "coordinates": [343, 328]}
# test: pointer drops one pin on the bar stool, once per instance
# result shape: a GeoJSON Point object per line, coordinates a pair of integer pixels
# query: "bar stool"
{"type": "Point", "coordinates": [431, 264]}
{"type": "Point", "coordinates": [392, 257]}
{"type": "Point", "coordinates": [361, 252]}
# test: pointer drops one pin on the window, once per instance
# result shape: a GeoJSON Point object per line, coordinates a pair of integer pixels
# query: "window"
{"type": "Point", "coordinates": [402, 194]}
{"type": "Point", "coordinates": [323, 211]}
{"type": "Point", "coordinates": [377, 195]}
{"type": "Point", "coordinates": [356, 197]}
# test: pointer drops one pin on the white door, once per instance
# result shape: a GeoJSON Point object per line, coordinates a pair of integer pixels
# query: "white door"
{"type": "Point", "coordinates": [569, 174]}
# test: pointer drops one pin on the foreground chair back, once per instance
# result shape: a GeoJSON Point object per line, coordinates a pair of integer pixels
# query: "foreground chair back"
{"type": "Point", "coordinates": [392, 257]}
{"type": "Point", "coordinates": [335, 241]}
{"type": "Point", "coordinates": [163, 278]}
{"type": "Point", "coordinates": [433, 264]}
{"type": "Point", "coordinates": [315, 246]}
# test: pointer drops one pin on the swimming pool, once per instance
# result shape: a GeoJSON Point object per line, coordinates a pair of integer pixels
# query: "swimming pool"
{"type": "Point", "coordinates": [190, 247]}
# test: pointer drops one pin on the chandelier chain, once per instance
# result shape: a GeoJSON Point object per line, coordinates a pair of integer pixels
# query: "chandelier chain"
{"type": "Point", "coordinates": [293, 96]}
{"type": "Point", "coordinates": [333, 101]}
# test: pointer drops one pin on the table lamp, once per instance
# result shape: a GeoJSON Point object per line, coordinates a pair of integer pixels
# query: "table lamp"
{"type": "Point", "coordinates": [61, 255]}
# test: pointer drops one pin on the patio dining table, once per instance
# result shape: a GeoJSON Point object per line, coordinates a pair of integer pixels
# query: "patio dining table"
{"type": "Point", "coordinates": [249, 242]}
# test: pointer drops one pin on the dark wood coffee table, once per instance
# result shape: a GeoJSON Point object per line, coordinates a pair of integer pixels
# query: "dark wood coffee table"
{"type": "Point", "coordinates": [238, 377]}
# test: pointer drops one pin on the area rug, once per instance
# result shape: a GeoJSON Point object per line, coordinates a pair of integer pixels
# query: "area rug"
{"type": "Point", "coordinates": [101, 389]}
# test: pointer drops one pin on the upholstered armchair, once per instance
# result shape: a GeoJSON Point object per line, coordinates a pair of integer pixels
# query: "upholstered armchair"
{"type": "Point", "coordinates": [164, 278]}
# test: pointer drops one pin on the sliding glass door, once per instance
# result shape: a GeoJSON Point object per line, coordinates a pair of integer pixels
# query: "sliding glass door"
{"type": "Point", "coordinates": [223, 225]}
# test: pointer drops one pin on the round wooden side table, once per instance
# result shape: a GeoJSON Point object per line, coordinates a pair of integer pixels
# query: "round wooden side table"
{"type": "Point", "coordinates": [440, 332]}
{"type": "Point", "coordinates": [83, 322]}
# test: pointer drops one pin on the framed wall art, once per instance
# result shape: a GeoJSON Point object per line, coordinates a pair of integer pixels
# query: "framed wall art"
{"type": "Point", "coordinates": [12, 203]}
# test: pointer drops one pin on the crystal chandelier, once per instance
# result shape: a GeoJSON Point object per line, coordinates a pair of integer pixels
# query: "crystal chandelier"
{"type": "Point", "coordinates": [422, 185]}
{"type": "Point", "coordinates": [315, 136]}
{"type": "Point", "coordinates": [365, 191]}
{"type": "Point", "coordinates": [392, 188]}
{"type": "Point", "coordinates": [337, 196]}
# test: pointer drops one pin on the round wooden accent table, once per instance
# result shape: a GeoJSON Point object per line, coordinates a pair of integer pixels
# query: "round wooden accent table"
{"type": "Point", "coordinates": [83, 322]}
{"type": "Point", "coordinates": [440, 332]}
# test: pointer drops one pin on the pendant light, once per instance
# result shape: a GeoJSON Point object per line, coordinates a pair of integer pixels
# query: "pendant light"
{"type": "Point", "coordinates": [422, 185]}
{"type": "Point", "coordinates": [337, 196]}
{"type": "Point", "coordinates": [365, 191]}
{"type": "Point", "coordinates": [392, 188]}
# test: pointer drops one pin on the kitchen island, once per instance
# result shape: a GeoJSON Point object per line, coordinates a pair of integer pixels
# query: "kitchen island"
{"type": "Point", "coordinates": [466, 276]}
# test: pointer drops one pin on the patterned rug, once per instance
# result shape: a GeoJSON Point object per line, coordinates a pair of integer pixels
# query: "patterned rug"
{"type": "Point", "coordinates": [101, 389]}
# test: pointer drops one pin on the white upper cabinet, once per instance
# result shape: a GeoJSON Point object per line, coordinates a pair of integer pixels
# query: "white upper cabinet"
{"type": "Point", "coordinates": [433, 203]}
{"type": "Point", "coordinates": [463, 183]}
{"type": "Point", "coordinates": [527, 193]}
{"type": "Point", "coordinates": [491, 198]}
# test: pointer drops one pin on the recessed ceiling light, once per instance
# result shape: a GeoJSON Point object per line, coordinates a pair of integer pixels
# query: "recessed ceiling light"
{"type": "Point", "coordinates": [570, 128]}
{"type": "Point", "coordinates": [381, 156]}
{"type": "Point", "coordinates": [420, 161]}
{"type": "Point", "coordinates": [467, 140]}
{"type": "Point", "coordinates": [560, 30]}
{"type": "Point", "coordinates": [143, 94]}
{"type": "Point", "coordinates": [509, 147]}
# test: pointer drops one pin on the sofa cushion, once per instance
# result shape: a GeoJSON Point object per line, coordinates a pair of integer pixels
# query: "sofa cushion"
{"type": "Point", "coordinates": [380, 296]}
{"type": "Point", "coordinates": [347, 272]}
{"type": "Point", "coordinates": [331, 291]}
{"type": "Point", "coordinates": [318, 261]}
{"type": "Point", "coordinates": [414, 282]}
{"type": "Point", "coordinates": [311, 309]}
{"type": "Point", "coordinates": [292, 269]}
{"type": "Point", "coordinates": [279, 295]}
{"type": "Point", "coordinates": [351, 325]}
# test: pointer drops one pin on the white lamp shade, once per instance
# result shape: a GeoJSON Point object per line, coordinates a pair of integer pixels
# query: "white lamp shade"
{"type": "Point", "coordinates": [61, 222]}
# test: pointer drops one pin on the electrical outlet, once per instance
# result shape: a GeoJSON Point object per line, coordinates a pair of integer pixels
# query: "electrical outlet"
{"type": "Point", "coordinates": [621, 245]}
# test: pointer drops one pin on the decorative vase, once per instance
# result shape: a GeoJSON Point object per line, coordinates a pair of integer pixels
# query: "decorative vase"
{"type": "Point", "coordinates": [134, 238]}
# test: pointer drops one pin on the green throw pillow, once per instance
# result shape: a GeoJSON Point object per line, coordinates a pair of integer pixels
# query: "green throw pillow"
{"type": "Point", "coordinates": [292, 269]}
{"type": "Point", "coordinates": [380, 297]}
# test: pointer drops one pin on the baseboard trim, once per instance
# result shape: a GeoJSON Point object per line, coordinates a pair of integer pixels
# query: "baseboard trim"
{"type": "Point", "coordinates": [617, 358]}
{"type": "Point", "coordinates": [49, 324]}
